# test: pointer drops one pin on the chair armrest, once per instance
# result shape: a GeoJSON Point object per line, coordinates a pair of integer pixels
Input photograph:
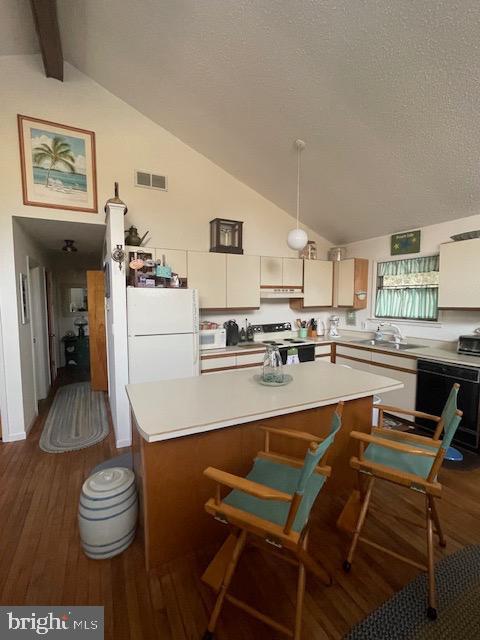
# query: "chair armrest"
{"type": "Point", "coordinates": [390, 444]}
{"type": "Point", "coordinates": [408, 412]}
{"type": "Point", "coordinates": [324, 470]}
{"type": "Point", "coordinates": [291, 433]}
{"type": "Point", "coordinates": [410, 437]}
{"type": "Point", "coordinates": [247, 486]}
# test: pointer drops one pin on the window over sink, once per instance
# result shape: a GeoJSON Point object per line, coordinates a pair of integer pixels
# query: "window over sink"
{"type": "Point", "coordinates": [408, 289]}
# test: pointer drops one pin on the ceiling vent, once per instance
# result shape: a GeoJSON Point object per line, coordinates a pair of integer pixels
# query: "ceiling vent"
{"type": "Point", "coordinates": [150, 180]}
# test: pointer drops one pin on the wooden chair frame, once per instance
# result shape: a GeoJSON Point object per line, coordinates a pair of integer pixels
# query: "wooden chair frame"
{"type": "Point", "coordinates": [254, 530]}
{"type": "Point", "coordinates": [430, 487]}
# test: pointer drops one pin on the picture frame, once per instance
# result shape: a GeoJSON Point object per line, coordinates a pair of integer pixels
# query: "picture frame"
{"type": "Point", "coordinates": [24, 301]}
{"type": "Point", "coordinates": [58, 165]}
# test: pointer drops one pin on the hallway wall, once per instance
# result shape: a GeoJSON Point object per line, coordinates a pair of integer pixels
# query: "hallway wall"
{"type": "Point", "coordinates": [25, 246]}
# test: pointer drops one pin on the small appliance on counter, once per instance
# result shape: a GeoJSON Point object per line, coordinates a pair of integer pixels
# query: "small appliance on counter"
{"type": "Point", "coordinates": [320, 327]}
{"type": "Point", "coordinates": [212, 338]}
{"type": "Point", "coordinates": [333, 327]}
{"type": "Point", "coordinates": [470, 344]}
{"type": "Point", "coordinates": [233, 333]}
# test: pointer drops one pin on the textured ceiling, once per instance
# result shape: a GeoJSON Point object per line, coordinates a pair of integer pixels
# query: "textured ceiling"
{"type": "Point", "coordinates": [386, 94]}
{"type": "Point", "coordinates": [17, 30]}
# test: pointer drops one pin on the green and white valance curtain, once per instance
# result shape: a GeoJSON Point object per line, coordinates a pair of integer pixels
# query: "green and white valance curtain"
{"type": "Point", "coordinates": [408, 289]}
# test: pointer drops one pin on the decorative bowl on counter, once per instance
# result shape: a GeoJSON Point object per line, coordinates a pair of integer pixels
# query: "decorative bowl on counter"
{"type": "Point", "coordinates": [286, 379]}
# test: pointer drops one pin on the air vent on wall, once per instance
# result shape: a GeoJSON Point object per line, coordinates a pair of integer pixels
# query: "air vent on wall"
{"type": "Point", "coordinates": [150, 180]}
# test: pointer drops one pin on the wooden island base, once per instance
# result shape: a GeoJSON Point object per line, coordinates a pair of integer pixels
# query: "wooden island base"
{"type": "Point", "coordinates": [173, 489]}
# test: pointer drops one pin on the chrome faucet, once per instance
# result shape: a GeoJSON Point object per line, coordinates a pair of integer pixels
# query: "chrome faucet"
{"type": "Point", "coordinates": [397, 336]}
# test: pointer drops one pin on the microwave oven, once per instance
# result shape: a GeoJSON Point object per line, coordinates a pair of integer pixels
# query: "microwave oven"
{"type": "Point", "coordinates": [212, 339]}
{"type": "Point", "coordinates": [469, 345]}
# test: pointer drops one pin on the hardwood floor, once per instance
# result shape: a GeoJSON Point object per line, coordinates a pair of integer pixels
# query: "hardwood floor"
{"type": "Point", "coordinates": [41, 561]}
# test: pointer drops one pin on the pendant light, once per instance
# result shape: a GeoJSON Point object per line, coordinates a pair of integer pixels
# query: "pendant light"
{"type": "Point", "coordinates": [297, 238]}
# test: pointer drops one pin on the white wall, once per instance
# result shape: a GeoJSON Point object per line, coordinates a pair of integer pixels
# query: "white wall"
{"type": "Point", "coordinates": [125, 140]}
{"type": "Point", "coordinates": [450, 323]}
{"type": "Point", "coordinates": [26, 251]}
{"type": "Point", "coordinates": [270, 311]}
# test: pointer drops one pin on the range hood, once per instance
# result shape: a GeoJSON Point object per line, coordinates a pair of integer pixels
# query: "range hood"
{"type": "Point", "coordinates": [281, 292]}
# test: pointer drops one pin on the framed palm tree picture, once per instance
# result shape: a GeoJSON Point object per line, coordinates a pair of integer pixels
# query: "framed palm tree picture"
{"type": "Point", "coordinates": [58, 165]}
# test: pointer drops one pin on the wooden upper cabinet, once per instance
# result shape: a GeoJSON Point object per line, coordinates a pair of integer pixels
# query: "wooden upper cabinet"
{"type": "Point", "coordinates": [175, 258]}
{"type": "Point", "coordinates": [351, 283]}
{"type": "Point", "coordinates": [271, 271]}
{"type": "Point", "coordinates": [317, 284]}
{"type": "Point", "coordinates": [292, 275]}
{"type": "Point", "coordinates": [243, 281]}
{"type": "Point", "coordinates": [207, 272]}
{"type": "Point", "coordinates": [459, 286]}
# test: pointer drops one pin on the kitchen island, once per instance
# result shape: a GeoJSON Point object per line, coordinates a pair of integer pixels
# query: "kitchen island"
{"type": "Point", "coordinates": [182, 426]}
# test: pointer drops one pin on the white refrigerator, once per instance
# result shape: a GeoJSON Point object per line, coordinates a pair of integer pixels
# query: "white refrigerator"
{"type": "Point", "coordinates": [163, 329]}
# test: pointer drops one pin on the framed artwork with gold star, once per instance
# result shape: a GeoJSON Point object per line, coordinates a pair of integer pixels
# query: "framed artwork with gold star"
{"type": "Point", "coordinates": [407, 242]}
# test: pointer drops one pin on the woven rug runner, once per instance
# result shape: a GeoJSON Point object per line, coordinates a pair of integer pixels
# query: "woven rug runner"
{"type": "Point", "coordinates": [404, 617]}
{"type": "Point", "coordinates": [77, 419]}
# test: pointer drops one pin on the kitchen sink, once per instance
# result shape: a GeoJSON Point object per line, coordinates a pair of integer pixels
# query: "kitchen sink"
{"type": "Point", "coordinates": [386, 345]}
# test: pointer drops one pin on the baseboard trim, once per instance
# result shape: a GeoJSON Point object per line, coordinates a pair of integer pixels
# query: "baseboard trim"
{"type": "Point", "coordinates": [127, 442]}
{"type": "Point", "coordinates": [14, 437]}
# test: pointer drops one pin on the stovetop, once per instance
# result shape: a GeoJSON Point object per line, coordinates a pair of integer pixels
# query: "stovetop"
{"type": "Point", "coordinates": [278, 334]}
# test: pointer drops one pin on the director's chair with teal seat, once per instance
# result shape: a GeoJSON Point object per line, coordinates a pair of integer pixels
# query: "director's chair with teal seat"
{"type": "Point", "coordinates": [273, 504]}
{"type": "Point", "coordinates": [411, 461]}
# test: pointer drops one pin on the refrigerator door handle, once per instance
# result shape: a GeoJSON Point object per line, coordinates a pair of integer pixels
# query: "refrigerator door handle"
{"type": "Point", "coordinates": [196, 348]}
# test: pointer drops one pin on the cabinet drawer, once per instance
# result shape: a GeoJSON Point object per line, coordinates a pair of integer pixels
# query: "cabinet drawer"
{"type": "Point", "coordinates": [353, 364]}
{"type": "Point", "coordinates": [218, 363]}
{"type": "Point", "coordinates": [323, 349]}
{"type": "Point", "coordinates": [251, 359]}
{"type": "Point", "coordinates": [363, 354]}
{"type": "Point", "coordinates": [394, 360]}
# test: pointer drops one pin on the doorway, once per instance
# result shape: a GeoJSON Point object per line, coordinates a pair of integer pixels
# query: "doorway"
{"type": "Point", "coordinates": [39, 331]}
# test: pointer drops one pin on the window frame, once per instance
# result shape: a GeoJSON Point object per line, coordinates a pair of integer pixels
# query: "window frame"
{"type": "Point", "coordinates": [373, 317]}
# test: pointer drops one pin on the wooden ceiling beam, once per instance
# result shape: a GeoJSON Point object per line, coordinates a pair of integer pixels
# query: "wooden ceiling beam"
{"type": "Point", "coordinates": [46, 24]}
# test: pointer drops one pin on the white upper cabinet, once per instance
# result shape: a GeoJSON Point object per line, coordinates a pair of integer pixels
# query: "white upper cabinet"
{"type": "Point", "coordinates": [207, 272]}
{"type": "Point", "coordinates": [317, 283]}
{"type": "Point", "coordinates": [281, 272]}
{"type": "Point", "coordinates": [292, 275]}
{"type": "Point", "coordinates": [271, 271]}
{"type": "Point", "coordinates": [459, 286]}
{"type": "Point", "coordinates": [243, 281]}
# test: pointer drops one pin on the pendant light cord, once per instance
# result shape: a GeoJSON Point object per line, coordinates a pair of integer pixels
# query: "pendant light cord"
{"type": "Point", "coordinates": [299, 151]}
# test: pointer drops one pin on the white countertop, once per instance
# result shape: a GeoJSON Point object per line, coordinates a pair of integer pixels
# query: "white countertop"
{"type": "Point", "coordinates": [176, 408]}
{"type": "Point", "coordinates": [422, 351]}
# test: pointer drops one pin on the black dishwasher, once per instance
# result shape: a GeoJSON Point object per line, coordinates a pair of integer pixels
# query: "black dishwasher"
{"type": "Point", "coordinates": [434, 382]}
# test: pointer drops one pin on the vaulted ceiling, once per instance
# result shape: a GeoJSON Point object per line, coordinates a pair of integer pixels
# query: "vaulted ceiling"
{"type": "Point", "coordinates": [386, 94]}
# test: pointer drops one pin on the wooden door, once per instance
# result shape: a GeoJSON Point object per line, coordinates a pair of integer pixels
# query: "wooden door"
{"type": "Point", "coordinates": [243, 282]}
{"type": "Point", "coordinates": [96, 326]}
